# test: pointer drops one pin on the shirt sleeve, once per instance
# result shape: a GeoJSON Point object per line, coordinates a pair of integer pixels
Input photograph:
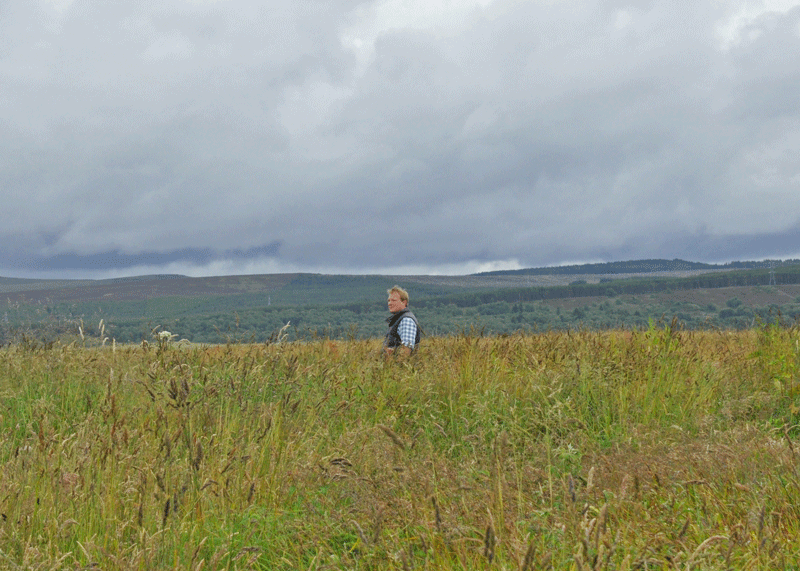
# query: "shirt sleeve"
{"type": "Point", "coordinates": [407, 331]}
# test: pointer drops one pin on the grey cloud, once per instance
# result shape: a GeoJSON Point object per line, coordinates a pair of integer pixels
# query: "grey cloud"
{"type": "Point", "coordinates": [116, 259]}
{"type": "Point", "coordinates": [595, 130]}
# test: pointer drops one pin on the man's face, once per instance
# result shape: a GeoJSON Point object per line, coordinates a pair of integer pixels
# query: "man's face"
{"type": "Point", "coordinates": [395, 304]}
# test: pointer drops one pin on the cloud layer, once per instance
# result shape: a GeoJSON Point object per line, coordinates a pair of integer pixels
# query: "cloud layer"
{"type": "Point", "coordinates": [228, 136]}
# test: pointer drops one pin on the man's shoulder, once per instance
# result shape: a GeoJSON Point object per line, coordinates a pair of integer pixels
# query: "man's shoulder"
{"type": "Point", "coordinates": [408, 319]}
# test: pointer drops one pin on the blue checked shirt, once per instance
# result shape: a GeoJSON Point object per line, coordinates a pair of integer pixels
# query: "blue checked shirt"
{"type": "Point", "coordinates": [407, 330]}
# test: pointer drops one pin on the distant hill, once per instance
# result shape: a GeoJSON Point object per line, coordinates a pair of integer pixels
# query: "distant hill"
{"type": "Point", "coordinates": [299, 288]}
{"type": "Point", "coordinates": [640, 267]}
{"type": "Point", "coordinates": [220, 308]}
{"type": "Point", "coordinates": [137, 287]}
{"type": "Point", "coordinates": [321, 289]}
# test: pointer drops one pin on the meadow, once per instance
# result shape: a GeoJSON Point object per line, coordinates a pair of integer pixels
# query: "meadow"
{"type": "Point", "coordinates": [658, 448]}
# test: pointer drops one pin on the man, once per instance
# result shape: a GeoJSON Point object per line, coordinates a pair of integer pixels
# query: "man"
{"type": "Point", "coordinates": [404, 331]}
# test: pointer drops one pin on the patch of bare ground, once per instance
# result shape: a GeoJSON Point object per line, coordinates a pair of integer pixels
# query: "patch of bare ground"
{"type": "Point", "coordinates": [752, 296]}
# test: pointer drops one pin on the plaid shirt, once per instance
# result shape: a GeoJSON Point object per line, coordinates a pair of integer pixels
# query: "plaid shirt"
{"type": "Point", "coordinates": [407, 330]}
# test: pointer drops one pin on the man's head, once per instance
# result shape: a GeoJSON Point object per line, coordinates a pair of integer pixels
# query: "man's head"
{"type": "Point", "coordinates": [398, 299]}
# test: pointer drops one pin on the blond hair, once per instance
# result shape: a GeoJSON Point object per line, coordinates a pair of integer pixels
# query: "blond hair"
{"type": "Point", "coordinates": [400, 291]}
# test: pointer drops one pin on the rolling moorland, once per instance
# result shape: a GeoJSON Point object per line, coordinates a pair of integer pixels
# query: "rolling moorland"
{"type": "Point", "coordinates": [225, 309]}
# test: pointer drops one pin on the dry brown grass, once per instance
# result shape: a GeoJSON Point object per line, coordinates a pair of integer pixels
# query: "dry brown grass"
{"type": "Point", "coordinates": [654, 449]}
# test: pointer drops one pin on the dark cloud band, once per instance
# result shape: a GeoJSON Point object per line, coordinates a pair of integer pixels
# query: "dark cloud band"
{"type": "Point", "coordinates": [114, 259]}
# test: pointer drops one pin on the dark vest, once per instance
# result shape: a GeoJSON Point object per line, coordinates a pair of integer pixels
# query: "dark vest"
{"type": "Point", "coordinates": [392, 339]}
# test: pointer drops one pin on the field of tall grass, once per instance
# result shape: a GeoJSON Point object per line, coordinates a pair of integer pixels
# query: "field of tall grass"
{"type": "Point", "coordinates": [651, 449]}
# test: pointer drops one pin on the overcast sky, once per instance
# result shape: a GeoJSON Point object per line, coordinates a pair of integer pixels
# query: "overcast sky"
{"type": "Point", "coordinates": [209, 137]}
